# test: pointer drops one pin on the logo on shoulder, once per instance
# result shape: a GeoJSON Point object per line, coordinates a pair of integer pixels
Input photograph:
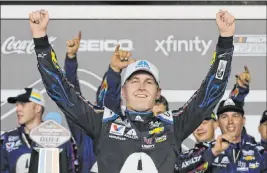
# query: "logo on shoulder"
{"type": "Point", "coordinates": [13, 138]}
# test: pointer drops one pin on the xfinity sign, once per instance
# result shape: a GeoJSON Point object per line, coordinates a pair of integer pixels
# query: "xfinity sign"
{"type": "Point", "coordinates": [172, 45]}
{"type": "Point", "coordinates": [105, 45]}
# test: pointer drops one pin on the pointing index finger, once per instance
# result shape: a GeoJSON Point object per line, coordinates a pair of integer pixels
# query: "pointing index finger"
{"type": "Point", "coordinates": [246, 69]}
{"type": "Point", "coordinates": [117, 48]}
{"type": "Point", "coordinates": [80, 35]}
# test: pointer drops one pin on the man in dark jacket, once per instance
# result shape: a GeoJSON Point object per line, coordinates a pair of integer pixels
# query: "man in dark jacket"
{"type": "Point", "coordinates": [129, 142]}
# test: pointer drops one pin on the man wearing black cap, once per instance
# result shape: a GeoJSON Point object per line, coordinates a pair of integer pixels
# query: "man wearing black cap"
{"type": "Point", "coordinates": [263, 130]}
{"type": "Point", "coordinates": [17, 146]}
{"type": "Point", "coordinates": [234, 150]}
{"type": "Point", "coordinates": [193, 160]}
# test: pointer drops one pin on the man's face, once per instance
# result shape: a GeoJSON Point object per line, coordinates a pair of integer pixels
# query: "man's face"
{"type": "Point", "coordinates": [159, 108]}
{"type": "Point", "coordinates": [263, 130]}
{"type": "Point", "coordinates": [26, 112]}
{"type": "Point", "coordinates": [205, 132]}
{"type": "Point", "coordinates": [231, 123]}
{"type": "Point", "coordinates": [140, 92]}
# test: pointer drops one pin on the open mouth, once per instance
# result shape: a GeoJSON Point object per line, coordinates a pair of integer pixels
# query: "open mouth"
{"type": "Point", "coordinates": [141, 95]}
{"type": "Point", "coordinates": [231, 129]}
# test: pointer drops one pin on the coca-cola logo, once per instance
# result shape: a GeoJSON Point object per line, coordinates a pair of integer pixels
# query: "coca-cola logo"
{"type": "Point", "coordinates": [11, 45]}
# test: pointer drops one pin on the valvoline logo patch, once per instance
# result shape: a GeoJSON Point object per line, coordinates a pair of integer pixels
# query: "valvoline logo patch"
{"type": "Point", "coordinates": [142, 64]}
{"type": "Point", "coordinates": [117, 129]}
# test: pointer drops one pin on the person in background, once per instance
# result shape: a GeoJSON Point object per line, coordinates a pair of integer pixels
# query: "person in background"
{"type": "Point", "coordinates": [193, 160]}
{"type": "Point", "coordinates": [17, 146]}
{"type": "Point", "coordinates": [161, 106]}
{"type": "Point", "coordinates": [234, 150]}
{"type": "Point", "coordinates": [263, 130]}
{"type": "Point", "coordinates": [84, 152]}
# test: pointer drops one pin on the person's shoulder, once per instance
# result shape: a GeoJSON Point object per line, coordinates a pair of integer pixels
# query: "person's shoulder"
{"type": "Point", "coordinates": [259, 148]}
{"type": "Point", "coordinates": [166, 117]}
{"type": "Point", "coordinates": [12, 131]}
{"type": "Point", "coordinates": [109, 115]}
{"type": "Point", "coordinates": [187, 152]}
{"type": "Point", "coordinates": [11, 135]}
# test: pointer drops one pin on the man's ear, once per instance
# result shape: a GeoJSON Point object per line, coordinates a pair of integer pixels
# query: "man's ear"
{"type": "Point", "coordinates": [123, 93]}
{"type": "Point", "coordinates": [215, 125]}
{"type": "Point", "coordinates": [38, 108]}
{"type": "Point", "coordinates": [158, 93]}
{"type": "Point", "coordinates": [244, 121]}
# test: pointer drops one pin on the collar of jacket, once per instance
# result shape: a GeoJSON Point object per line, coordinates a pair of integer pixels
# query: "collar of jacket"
{"type": "Point", "coordinates": [206, 144]}
{"type": "Point", "coordinates": [264, 143]}
{"type": "Point", "coordinates": [244, 138]}
{"type": "Point", "coordinates": [144, 117]}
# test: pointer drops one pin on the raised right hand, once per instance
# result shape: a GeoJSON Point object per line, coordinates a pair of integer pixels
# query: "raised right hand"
{"type": "Point", "coordinates": [38, 23]}
{"type": "Point", "coordinates": [120, 59]}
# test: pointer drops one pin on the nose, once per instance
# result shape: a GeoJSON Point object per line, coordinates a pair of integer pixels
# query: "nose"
{"type": "Point", "coordinates": [142, 86]}
{"type": "Point", "coordinates": [230, 120]}
{"type": "Point", "coordinates": [18, 107]}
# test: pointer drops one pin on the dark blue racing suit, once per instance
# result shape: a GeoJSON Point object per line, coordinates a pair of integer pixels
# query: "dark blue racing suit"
{"type": "Point", "coordinates": [16, 152]}
{"type": "Point", "coordinates": [264, 144]}
{"type": "Point", "coordinates": [246, 156]}
{"type": "Point", "coordinates": [193, 161]}
{"type": "Point", "coordinates": [85, 152]}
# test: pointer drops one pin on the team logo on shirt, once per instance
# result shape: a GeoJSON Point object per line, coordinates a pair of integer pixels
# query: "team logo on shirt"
{"type": "Point", "coordinates": [254, 165]}
{"type": "Point", "coordinates": [156, 130]}
{"type": "Point", "coordinates": [249, 158]}
{"type": "Point", "coordinates": [10, 146]}
{"type": "Point", "coordinates": [248, 153]}
{"type": "Point", "coordinates": [161, 139]}
{"type": "Point", "coordinates": [191, 161]}
{"type": "Point", "coordinates": [131, 134]}
{"type": "Point", "coordinates": [13, 138]}
{"type": "Point", "coordinates": [117, 129]}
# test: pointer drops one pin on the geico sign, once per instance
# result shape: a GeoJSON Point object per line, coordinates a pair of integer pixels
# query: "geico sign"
{"type": "Point", "coordinates": [11, 45]}
{"type": "Point", "coordinates": [105, 45]}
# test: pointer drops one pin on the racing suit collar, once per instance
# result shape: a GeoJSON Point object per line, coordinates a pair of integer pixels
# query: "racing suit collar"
{"type": "Point", "coordinates": [144, 117]}
{"type": "Point", "coordinates": [264, 143]}
{"type": "Point", "coordinates": [207, 144]}
{"type": "Point", "coordinates": [244, 138]}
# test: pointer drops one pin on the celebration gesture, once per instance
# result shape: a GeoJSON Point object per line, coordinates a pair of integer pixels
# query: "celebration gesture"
{"type": "Point", "coordinates": [226, 23]}
{"type": "Point", "coordinates": [73, 45]}
{"type": "Point", "coordinates": [120, 59]}
{"type": "Point", "coordinates": [38, 23]}
{"type": "Point", "coordinates": [243, 79]}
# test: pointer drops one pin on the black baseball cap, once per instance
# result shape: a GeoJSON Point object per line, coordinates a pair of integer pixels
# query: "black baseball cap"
{"type": "Point", "coordinates": [264, 117]}
{"type": "Point", "coordinates": [230, 105]}
{"type": "Point", "coordinates": [28, 95]}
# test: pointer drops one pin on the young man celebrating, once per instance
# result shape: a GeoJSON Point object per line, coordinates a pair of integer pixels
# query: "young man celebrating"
{"type": "Point", "coordinates": [129, 143]}
{"type": "Point", "coordinates": [235, 150]}
{"type": "Point", "coordinates": [193, 160]}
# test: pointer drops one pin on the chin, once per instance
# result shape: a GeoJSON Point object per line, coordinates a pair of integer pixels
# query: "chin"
{"type": "Point", "coordinates": [21, 122]}
{"type": "Point", "coordinates": [142, 107]}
